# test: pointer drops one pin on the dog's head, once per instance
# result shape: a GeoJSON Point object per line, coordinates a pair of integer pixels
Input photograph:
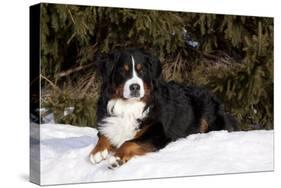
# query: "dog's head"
{"type": "Point", "coordinates": [129, 74]}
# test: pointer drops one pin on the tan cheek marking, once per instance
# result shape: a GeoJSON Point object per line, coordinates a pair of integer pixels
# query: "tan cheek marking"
{"type": "Point", "coordinates": [118, 92]}
{"type": "Point", "coordinates": [147, 91]}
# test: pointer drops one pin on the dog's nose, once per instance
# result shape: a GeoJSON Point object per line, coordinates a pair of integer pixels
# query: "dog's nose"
{"type": "Point", "coordinates": [134, 87]}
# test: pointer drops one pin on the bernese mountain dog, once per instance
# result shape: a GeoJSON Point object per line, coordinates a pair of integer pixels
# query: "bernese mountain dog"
{"type": "Point", "coordinates": [138, 112]}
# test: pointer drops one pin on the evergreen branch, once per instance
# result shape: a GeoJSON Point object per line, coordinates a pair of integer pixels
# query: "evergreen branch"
{"type": "Point", "coordinates": [71, 16]}
{"type": "Point", "coordinates": [260, 38]}
{"type": "Point", "coordinates": [91, 81]}
{"type": "Point", "coordinates": [70, 71]}
{"type": "Point", "coordinates": [50, 82]}
{"type": "Point", "coordinates": [175, 65]}
{"type": "Point", "coordinates": [70, 39]}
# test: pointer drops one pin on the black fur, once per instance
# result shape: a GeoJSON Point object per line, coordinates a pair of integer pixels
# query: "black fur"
{"type": "Point", "coordinates": [176, 110]}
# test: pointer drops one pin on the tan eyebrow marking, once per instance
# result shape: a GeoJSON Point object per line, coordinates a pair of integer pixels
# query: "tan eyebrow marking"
{"type": "Point", "coordinates": [126, 67]}
{"type": "Point", "coordinates": [138, 67]}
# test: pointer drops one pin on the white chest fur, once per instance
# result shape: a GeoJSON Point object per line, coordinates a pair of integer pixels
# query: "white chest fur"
{"type": "Point", "coordinates": [122, 123]}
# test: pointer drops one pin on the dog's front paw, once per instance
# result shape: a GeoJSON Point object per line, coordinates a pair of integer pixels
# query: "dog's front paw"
{"type": "Point", "coordinates": [114, 162]}
{"type": "Point", "coordinates": [98, 156]}
{"type": "Point", "coordinates": [101, 150]}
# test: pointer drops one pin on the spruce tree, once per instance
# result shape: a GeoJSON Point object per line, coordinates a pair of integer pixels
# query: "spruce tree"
{"type": "Point", "coordinates": [230, 55]}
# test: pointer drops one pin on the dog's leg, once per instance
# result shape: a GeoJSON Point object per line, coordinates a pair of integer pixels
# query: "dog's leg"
{"type": "Point", "coordinates": [101, 150]}
{"type": "Point", "coordinates": [128, 150]}
{"type": "Point", "coordinates": [150, 138]}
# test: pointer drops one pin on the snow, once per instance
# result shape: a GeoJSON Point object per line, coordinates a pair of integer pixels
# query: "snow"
{"type": "Point", "coordinates": [65, 152]}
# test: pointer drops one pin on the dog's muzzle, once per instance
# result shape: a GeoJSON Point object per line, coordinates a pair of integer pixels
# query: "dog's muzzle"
{"type": "Point", "coordinates": [134, 90]}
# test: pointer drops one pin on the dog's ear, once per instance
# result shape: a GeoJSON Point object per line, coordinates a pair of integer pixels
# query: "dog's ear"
{"type": "Point", "coordinates": [105, 64]}
{"type": "Point", "coordinates": [155, 66]}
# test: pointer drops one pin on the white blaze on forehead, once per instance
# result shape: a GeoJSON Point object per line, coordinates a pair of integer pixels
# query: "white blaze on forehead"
{"type": "Point", "coordinates": [133, 67]}
{"type": "Point", "coordinates": [134, 80]}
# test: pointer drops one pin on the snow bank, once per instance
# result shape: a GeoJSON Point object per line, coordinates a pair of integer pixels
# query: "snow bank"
{"type": "Point", "coordinates": [65, 156]}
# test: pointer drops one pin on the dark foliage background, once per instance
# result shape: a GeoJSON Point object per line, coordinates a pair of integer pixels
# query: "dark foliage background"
{"type": "Point", "coordinates": [230, 55]}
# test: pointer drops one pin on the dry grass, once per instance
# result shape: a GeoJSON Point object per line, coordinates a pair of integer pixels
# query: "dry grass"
{"type": "Point", "coordinates": [82, 95]}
